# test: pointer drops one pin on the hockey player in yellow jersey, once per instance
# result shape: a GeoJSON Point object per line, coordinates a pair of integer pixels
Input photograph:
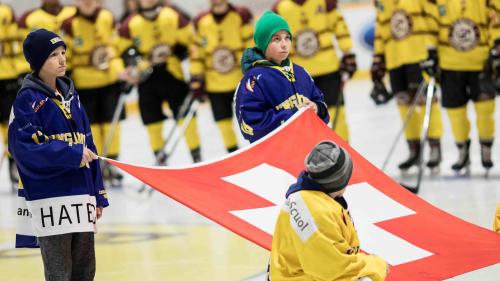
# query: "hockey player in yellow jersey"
{"type": "Point", "coordinates": [221, 36]}
{"type": "Point", "coordinates": [161, 36]}
{"type": "Point", "coordinates": [8, 80]}
{"type": "Point", "coordinates": [50, 15]}
{"type": "Point", "coordinates": [314, 237]}
{"type": "Point", "coordinates": [91, 37]}
{"type": "Point", "coordinates": [314, 23]}
{"type": "Point", "coordinates": [401, 42]}
{"type": "Point", "coordinates": [468, 32]}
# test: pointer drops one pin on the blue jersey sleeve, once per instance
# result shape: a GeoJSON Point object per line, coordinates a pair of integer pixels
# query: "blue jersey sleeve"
{"type": "Point", "coordinates": [37, 155]}
{"type": "Point", "coordinates": [256, 116]}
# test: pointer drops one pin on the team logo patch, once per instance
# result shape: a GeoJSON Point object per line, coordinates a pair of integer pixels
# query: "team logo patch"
{"type": "Point", "coordinates": [55, 40]}
{"type": "Point", "coordinates": [307, 43]}
{"type": "Point", "coordinates": [100, 57]}
{"type": "Point", "coordinates": [223, 60]}
{"type": "Point", "coordinates": [250, 84]}
{"type": "Point", "coordinates": [463, 35]}
{"type": "Point", "coordinates": [401, 25]}
{"type": "Point", "coordinates": [159, 53]}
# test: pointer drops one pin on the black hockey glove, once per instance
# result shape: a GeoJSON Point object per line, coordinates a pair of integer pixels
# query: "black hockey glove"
{"type": "Point", "coordinates": [378, 69]}
{"type": "Point", "coordinates": [489, 78]}
{"type": "Point", "coordinates": [431, 64]}
{"type": "Point", "coordinates": [379, 93]}
{"type": "Point", "coordinates": [348, 64]}
{"type": "Point", "coordinates": [197, 86]}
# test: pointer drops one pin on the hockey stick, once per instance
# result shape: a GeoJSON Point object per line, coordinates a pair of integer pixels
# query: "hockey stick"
{"type": "Point", "coordinates": [187, 120]}
{"type": "Point", "coordinates": [343, 79]}
{"type": "Point", "coordinates": [188, 117]}
{"type": "Point", "coordinates": [420, 92]}
{"type": "Point", "coordinates": [114, 124]}
{"type": "Point", "coordinates": [425, 131]}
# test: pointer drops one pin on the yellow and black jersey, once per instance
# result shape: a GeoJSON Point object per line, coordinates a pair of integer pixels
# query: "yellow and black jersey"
{"type": "Point", "coordinates": [218, 46]}
{"type": "Point", "coordinates": [314, 23]}
{"type": "Point", "coordinates": [403, 31]}
{"type": "Point", "coordinates": [39, 18]}
{"type": "Point", "coordinates": [7, 42]}
{"type": "Point", "coordinates": [93, 44]}
{"type": "Point", "coordinates": [315, 239]}
{"type": "Point", "coordinates": [467, 29]}
{"type": "Point", "coordinates": [158, 40]}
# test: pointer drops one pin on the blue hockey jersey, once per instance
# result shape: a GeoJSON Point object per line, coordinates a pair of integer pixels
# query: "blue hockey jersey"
{"type": "Point", "coordinates": [47, 135]}
{"type": "Point", "coordinates": [269, 94]}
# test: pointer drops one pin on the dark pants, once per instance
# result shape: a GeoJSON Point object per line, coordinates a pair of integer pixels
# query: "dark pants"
{"type": "Point", "coordinates": [68, 257]}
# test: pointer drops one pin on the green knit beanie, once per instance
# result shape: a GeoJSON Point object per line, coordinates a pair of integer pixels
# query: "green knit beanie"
{"type": "Point", "coordinates": [268, 24]}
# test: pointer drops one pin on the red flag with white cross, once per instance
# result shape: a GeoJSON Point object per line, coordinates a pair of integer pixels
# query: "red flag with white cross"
{"type": "Point", "coordinates": [245, 190]}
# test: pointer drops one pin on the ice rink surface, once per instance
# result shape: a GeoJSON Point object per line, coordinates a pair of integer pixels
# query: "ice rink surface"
{"type": "Point", "coordinates": [155, 238]}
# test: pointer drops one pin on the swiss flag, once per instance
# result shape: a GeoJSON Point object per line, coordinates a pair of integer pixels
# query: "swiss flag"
{"type": "Point", "coordinates": [245, 190]}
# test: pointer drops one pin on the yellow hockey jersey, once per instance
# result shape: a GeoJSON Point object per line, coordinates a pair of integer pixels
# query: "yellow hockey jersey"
{"type": "Point", "coordinates": [315, 239]}
{"type": "Point", "coordinates": [7, 42]}
{"type": "Point", "coordinates": [402, 31]}
{"type": "Point", "coordinates": [313, 24]}
{"type": "Point", "coordinates": [39, 18]}
{"type": "Point", "coordinates": [158, 39]}
{"type": "Point", "coordinates": [93, 44]}
{"type": "Point", "coordinates": [218, 46]}
{"type": "Point", "coordinates": [467, 30]}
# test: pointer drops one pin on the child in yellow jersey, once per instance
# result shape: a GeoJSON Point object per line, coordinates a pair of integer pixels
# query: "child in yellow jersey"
{"type": "Point", "coordinates": [314, 237]}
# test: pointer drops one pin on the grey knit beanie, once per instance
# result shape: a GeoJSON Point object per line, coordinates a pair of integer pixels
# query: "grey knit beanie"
{"type": "Point", "coordinates": [329, 165]}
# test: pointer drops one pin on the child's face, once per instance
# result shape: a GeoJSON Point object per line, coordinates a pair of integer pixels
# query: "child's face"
{"type": "Point", "coordinates": [55, 65]}
{"type": "Point", "coordinates": [279, 47]}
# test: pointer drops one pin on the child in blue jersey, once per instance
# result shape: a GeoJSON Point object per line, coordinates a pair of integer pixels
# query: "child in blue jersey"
{"type": "Point", "coordinates": [273, 88]}
{"type": "Point", "coordinates": [50, 139]}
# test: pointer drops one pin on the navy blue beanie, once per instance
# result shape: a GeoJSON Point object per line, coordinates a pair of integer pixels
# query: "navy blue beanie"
{"type": "Point", "coordinates": [38, 46]}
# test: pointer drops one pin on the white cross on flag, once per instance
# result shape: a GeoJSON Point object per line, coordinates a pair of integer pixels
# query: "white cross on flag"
{"type": "Point", "coordinates": [245, 190]}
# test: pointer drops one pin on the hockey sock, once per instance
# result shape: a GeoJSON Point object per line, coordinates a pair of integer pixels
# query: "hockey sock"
{"type": "Point", "coordinates": [228, 136]}
{"type": "Point", "coordinates": [3, 131]}
{"type": "Point", "coordinates": [155, 135]}
{"type": "Point", "coordinates": [97, 136]}
{"type": "Point", "coordinates": [191, 135]}
{"type": "Point", "coordinates": [435, 123]}
{"type": "Point", "coordinates": [412, 130]}
{"type": "Point", "coordinates": [460, 124]}
{"type": "Point", "coordinates": [114, 146]}
{"type": "Point", "coordinates": [341, 124]}
{"type": "Point", "coordinates": [485, 120]}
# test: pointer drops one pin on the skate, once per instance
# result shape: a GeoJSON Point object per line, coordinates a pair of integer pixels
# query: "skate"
{"type": "Point", "coordinates": [196, 155]}
{"type": "Point", "coordinates": [462, 166]}
{"type": "Point", "coordinates": [413, 159]}
{"type": "Point", "coordinates": [115, 177]}
{"type": "Point", "coordinates": [161, 158]}
{"type": "Point", "coordinates": [486, 156]}
{"type": "Point", "coordinates": [434, 156]}
{"type": "Point", "coordinates": [232, 149]}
